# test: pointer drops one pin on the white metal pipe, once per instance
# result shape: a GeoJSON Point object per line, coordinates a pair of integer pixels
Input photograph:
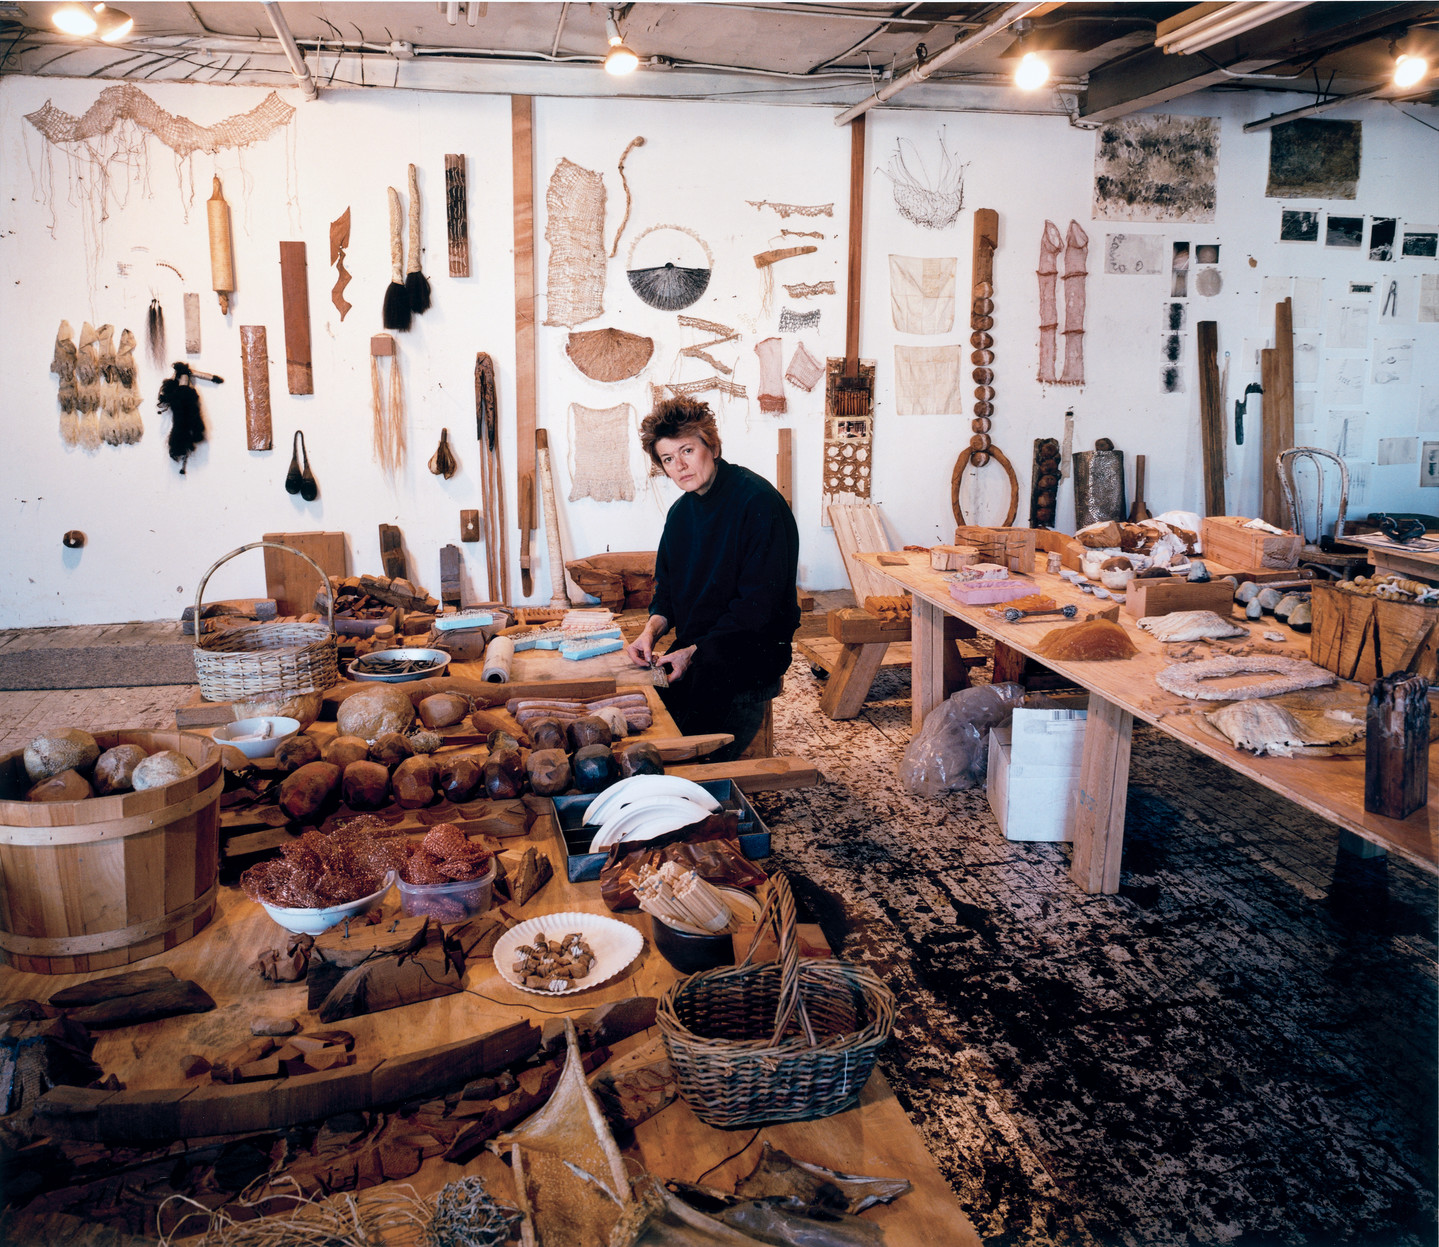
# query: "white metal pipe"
{"type": "Point", "coordinates": [920, 72]}
{"type": "Point", "coordinates": [292, 53]}
{"type": "Point", "coordinates": [1309, 110]}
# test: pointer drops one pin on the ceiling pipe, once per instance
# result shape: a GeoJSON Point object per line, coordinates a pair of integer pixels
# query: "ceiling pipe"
{"type": "Point", "coordinates": [1309, 110]}
{"type": "Point", "coordinates": [292, 53]}
{"type": "Point", "coordinates": [958, 48]}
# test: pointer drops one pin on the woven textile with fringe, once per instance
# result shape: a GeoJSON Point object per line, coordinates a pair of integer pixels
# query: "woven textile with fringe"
{"type": "Point", "coordinates": [601, 453]}
{"type": "Point", "coordinates": [786, 1040]}
{"type": "Point", "coordinates": [575, 230]}
{"type": "Point", "coordinates": [771, 376]}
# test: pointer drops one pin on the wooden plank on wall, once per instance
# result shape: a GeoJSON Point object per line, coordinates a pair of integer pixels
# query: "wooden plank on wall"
{"type": "Point", "coordinates": [292, 582]}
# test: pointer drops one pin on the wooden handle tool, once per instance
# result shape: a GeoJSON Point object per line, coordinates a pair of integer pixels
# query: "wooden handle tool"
{"type": "Point", "coordinates": [222, 256]}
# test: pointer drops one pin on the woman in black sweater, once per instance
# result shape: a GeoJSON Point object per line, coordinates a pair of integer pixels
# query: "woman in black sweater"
{"type": "Point", "coordinates": [724, 580]}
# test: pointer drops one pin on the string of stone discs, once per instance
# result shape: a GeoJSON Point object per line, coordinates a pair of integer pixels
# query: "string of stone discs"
{"type": "Point", "coordinates": [981, 321]}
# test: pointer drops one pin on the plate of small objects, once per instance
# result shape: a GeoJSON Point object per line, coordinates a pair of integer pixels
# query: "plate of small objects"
{"type": "Point", "coordinates": [561, 954]}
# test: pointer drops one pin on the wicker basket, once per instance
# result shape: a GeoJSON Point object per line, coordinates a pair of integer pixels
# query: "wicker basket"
{"type": "Point", "coordinates": [789, 1040]}
{"type": "Point", "coordinates": [270, 659]}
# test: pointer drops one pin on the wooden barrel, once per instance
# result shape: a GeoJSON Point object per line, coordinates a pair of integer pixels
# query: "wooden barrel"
{"type": "Point", "coordinates": [87, 885]}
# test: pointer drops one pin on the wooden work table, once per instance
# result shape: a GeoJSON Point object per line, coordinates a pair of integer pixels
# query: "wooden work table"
{"type": "Point", "coordinates": [1331, 786]}
{"type": "Point", "coordinates": [874, 1138]}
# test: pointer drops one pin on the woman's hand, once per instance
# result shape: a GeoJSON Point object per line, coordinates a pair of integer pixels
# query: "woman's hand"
{"type": "Point", "coordinates": [641, 651]}
{"type": "Point", "coordinates": [678, 661]}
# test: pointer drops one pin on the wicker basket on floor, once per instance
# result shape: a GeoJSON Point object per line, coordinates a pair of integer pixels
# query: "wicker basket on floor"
{"type": "Point", "coordinates": [269, 659]}
{"type": "Point", "coordinates": [788, 1040]}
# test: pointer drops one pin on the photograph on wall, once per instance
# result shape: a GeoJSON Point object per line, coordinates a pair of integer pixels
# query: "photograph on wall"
{"type": "Point", "coordinates": [1156, 168]}
{"type": "Point", "coordinates": [1295, 226]}
{"type": "Point", "coordinates": [1314, 158]}
{"type": "Point", "coordinates": [1429, 466]}
{"type": "Point", "coordinates": [1421, 242]}
{"type": "Point", "coordinates": [1381, 237]}
{"type": "Point", "coordinates": [1429, 298]}
{"type": "Point", "coordinates": [1134, 255]}
{"type": "Point", "coordinates": [1396, 299]}
{"type": "Point", "coordinates": [1344, 231]}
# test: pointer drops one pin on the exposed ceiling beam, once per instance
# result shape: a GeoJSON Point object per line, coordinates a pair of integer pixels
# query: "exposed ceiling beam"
{"type": "Point", "coordinates": [1311, 110]}
{"type": "Point", "coordinates": [1149, 77]}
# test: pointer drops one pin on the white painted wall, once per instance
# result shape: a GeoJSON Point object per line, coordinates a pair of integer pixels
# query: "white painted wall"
{"type": "Point", "coordinates": [152, 533]}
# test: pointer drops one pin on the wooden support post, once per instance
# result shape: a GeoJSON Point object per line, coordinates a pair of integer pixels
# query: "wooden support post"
{"type": "Point", "coordinates": [784, 466]}
{"type": "Point", "coordinates": [522, 119]}
{"type": "Point", "coordinates": [937, 667]}
{"type": "Point", "coordinates": [1212, 424]}
{"type": "Point", "coordinates": [1278, 411]}
{"type": "Point", "coordinates": [255, 377]}
{"type": "Point", "coordinates": [1102, 797]}
{"type": "Point", "coordinates": [1270, 499]}
{"type": "Point", "coordinates": [1008, 664]}
{"type": "Point", "coordinates": [295, 300]}
{"type": "Point", "coordinates": [1396, 745]}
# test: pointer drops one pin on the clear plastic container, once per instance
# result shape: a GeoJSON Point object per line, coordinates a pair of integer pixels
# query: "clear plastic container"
{"type": "Point", "coordinates": [448, 902]}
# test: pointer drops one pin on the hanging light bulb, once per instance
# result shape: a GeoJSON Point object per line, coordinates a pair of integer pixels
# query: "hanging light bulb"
{"type": "Point", "coordinates": [619, 60]}
{"type": "Point", "coordinates": [1409, 69]}
{"type": "Point", "coordinates": [100, 20]}
{"type": "Point", "coordinates": [112, 25]}
{"type": "Point", "coordinates": [75, 19]}
{"type": "Point", "coordinates": [1032, 72]}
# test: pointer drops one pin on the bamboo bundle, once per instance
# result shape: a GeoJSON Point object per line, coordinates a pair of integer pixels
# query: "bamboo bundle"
{"type": "Point", "coordinates": [680, 898]}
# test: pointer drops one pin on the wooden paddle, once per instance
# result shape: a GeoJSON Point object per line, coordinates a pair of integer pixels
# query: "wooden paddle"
{"type": "Point", "coordinates": [1137, 510]}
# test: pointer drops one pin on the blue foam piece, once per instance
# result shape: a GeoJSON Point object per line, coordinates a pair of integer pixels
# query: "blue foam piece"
{"type": "Point", "coordinates": [590, 649]}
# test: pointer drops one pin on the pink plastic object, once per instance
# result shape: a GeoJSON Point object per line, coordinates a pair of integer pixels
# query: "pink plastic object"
{"type": "Point", "coordinates": [984, 592]}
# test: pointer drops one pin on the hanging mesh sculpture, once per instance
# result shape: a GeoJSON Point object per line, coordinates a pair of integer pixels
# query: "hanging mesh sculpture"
{"type": "Point", "coordinates": [700, 350]}
{"type": "Point", "coordinates": [1050, 242]}
{"type": "Point", "coordinates": [574, 228]}
{"type": "Point", "coordinates": [771, 376]}
{"type": "Point", "coordinates": [804, 370]}
{"type": "Point", "coordinates": [609, 354]}
{"type": "Point", "coordinates": [932, 202]}
{"type": "Point", "coordinates": [789, 210]}
{"type": "Point", "coordinates": [677, 389]}
{"type": "Point", "coordinates": [600, 453]}
{"type": "Point", "coordinates": [806, 290]}
{"type": "Point", "coordinates": [795, 322]}
{"type": "Point", "coordinates": [1076, 270]}
{"type": "Point", "coordinates": [670, 286]}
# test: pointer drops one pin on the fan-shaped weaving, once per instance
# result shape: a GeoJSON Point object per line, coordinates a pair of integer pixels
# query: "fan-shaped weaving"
{"type": "Point", "coordinates": [670, 286]}
{"type": "Point", "coordinates": [609, 354]}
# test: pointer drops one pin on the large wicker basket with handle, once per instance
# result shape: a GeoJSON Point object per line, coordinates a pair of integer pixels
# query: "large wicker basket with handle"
{"type": "Point", "coordinates": [269, 659]}
{"type": "Point", "coordinates": [788, 1040]}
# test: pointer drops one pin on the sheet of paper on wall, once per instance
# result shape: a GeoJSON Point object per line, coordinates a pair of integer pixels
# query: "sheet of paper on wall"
{"type": "Point", "coordinates": [1393, 362]}
{"type": "Point", "coordinates": [1428, 298]}
{"type": "Point", "coordinates": [1359, 472]}
{"type": "Point", "coordinates": [1306, 357]}
{"type": "Point", "coordinates": [1346, 232]}
{"type": "Point", "coordinates": [1273, 290]}
{"type": "Point", "coordinates": [1249, 354]}
{"type": "Point", "coordinates": [1175, 316]}
{"type": "Point", "coordinates": [1305, 407]}
{"type": "Point", "coordinates": [1398, 450]}
{"type": "Point", "coordinates": [929, 380]}
{"type": "Point", "coordinates": [1429, 465]}
{"type": "Point", "coordinates": [1308, 303]}
{"type": "Point", "coordinates": [1427, 417]}
{"type": "Point", "coordinates": [1421, 242]}
{"type": "Point", "coordinates": [1348, 328]}
{"type": "Point", "coordinates": [1134, 255]}
{"type": "Point", "coordinates": [1344, 380]}
{"type": "Point", "coordinates": [1395, 298]}
{"type": "Point", "coordinates": [1381, 237]}
{"type": "Point", "coordinates": [921, 293]}
{"type": "Point", "coordinates": [1346, 433]}
{"type": "Point", "coordinates": [1156, 167]}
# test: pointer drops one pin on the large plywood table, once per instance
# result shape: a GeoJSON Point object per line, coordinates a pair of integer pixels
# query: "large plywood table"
{"type": "Point", "coordinates": [1120, 692]}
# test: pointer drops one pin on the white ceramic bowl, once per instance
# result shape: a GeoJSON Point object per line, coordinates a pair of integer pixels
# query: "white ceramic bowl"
{"type": "Point", "coordinates": [247, 735]}
{"type": "Point", "coordinates": [435, 660]}
{"type": "Point", "coordinates": [314, 921]}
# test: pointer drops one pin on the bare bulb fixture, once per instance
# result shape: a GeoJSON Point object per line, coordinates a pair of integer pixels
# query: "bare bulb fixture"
{"type": "Point", "coordinates": [1409, 69]}
{"type": "Point", "coordinates": [619, 60]}
{"type": "Point", "coordinates": [110, 25]}
{"type": "Point", "coordinates": [1032, 72]}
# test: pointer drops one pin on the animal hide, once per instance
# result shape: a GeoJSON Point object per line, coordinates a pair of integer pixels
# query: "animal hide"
{"type": "Point", "coordinates": [1263, 727]}
{"type": "Point", "coordinates": [1285, 675]}
{"type": "Point", "coordinates": [1190, 626]}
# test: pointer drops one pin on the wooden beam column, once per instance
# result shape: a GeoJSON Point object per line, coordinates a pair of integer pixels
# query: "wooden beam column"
{"type": "Point", "coordinates": [522, 123]}
{"type": "Point", "coordinates": [1102, 798]}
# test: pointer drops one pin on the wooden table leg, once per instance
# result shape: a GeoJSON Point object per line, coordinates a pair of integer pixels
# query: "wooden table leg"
{"type": "Point", "coordinates": [1103, 795]}
{"type": "Point", "coordinates": [1008, 664]}
{"type": "Point", "coordinates": [936, 666]}
{"type": "Point", "coordinates": [848, 684]}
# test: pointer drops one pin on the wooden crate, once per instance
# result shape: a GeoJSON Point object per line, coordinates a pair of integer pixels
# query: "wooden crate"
{"type": "Point", "coordinates": [1008, 547]}
{"type": "Point", "coordinates": [291, 581]}
{"type": "Point", "coordinates": [1163, 596]}
{"type": "Point", "coordinates": [1227, 541]}
{"type": "Point", "coordinates": [1361, 638]}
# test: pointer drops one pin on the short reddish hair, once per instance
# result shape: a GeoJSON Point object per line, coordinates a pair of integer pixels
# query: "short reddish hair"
{"type": "Point", "coordinates": [675, 418]}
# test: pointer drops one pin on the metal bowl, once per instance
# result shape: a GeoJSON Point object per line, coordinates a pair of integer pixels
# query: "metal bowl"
{"type": "Point", "coordinates": [434, 662]}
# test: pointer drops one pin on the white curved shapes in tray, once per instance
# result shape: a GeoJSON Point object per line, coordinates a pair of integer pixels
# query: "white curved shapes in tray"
{"type": "Point", "coordinates": [615, 945]}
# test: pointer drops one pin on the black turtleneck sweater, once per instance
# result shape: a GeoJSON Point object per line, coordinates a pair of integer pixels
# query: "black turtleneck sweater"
{"type": "Point", "coordinates": [726, 567]}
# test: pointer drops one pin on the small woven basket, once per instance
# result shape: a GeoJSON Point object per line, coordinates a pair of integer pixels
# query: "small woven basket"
{"type": "Point", "coordinates": [789, 1040]}
{"type": "Point", "coordinates": [269, 659]}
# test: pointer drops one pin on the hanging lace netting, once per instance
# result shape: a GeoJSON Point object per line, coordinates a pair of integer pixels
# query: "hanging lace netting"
{"type": "Point", "coordinates": [933, 203]}
{"type": "Point", "coordinates": [574, 228]}
{"type": "Point", "coordinates": [600, 453]}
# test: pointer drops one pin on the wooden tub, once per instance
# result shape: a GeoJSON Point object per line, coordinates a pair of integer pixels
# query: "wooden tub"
{"type": "Point", "coordinates": [88, 885]}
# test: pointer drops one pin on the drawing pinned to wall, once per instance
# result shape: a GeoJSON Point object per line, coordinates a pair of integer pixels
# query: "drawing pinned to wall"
{"type": "Point", "coordinates": [1427, 416]}
{"type": "Point", "coordinates": [1295, 226]}
{"type": "Point", "coordinates": [1396, 300]}
{"type": "Point", "coordinates": [1344, 381]}
{"type": "Point", "coordinates": [1134, 255]}
{"type": "Point", "coordinates": [1273, 290]}
{"type": "Point", "coordinates": [657, 278]}
{"type": "Point", "coordinates": [931, 200]}
{"type": "Point", "coordinates": [1179, 271]}
{"type": "Point", "coordinates": [921, 293]}
{"type": "Point", "coordinates": [1394, 450]}
{"type": "Point", "coordinates": [1176, 316]}
{"type": "Point", "coordinates": [1344, 231]}
{"type": "Point", "coordinates": [575, 230]}
{"type": "Point", "coordinates": [1381, 237]}
{"type": "Point", "coordinates": [1428, 298]}
{"type": "Point", "coordinates": [1307, 354]}
{"type": "Point", "coordinates": [1347, 433]}
{"type": "Point", "coordinates": [928, 380]}
{"type": "Point", "coordinates": [1305, 409]}
{"type": "Point", "coordinates": [1208, 282]}
{"type": "Point", "coordinates": [1308, 296]}
{"type": "Point", "coordinates": [1361, 287]}
{"type": "Point", "coordinates": [1421, 242]}
{"type": "Point", "coordinates": [1206, 253]}
{"type": "Point", "coordinates": [1314, 159]}
{"type": "Point", "coordinates": [1171, 372]}
{"type": "Point", "coordinates": [1393, 362]}
{"type": "Point", "coordinates": [1156, 168]}
{"type": "Point", "coordinates": [1348, 328]}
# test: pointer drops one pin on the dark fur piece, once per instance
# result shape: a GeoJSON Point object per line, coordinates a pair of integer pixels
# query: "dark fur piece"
{"type": "Point", "coordinates": [417, 287]}
{"type": "Point", "coordinates": [187, 424]}
{"type": "Point", "coordinates": [155, 333]}
{"type": "Point", "coordinates": [397, 312]}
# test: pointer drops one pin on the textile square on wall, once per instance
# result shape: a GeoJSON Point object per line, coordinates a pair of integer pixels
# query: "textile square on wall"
{"type": "Point", "coordinates": [929, 380]}
{"type": "Point", "coordinates": [1156, 168]}
{"type": "Point", "coordinates": [1314, 158]}
{"type": "Point", "coordinates": [921, 293]}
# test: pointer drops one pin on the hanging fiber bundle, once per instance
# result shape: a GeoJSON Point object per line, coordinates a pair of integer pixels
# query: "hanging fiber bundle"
{"type": "Point", "coordinates": [389, 416]}
{"type": "Point", "coordinates": [396, 313]}
{"type": "Point", "coordinates": [155, 333]}
{"type": "Point", "coordinates": [417, 285]}
{"type": "Point", "coordinates": [187, 425]}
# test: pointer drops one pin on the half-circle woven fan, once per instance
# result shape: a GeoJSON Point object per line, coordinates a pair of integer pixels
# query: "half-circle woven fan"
{"type": "Point", "coordinates": [609, 354]}
{"type": "Point", "coordinates": [670, 286]}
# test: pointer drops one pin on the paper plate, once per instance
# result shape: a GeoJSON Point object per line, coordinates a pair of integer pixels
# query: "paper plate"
{"type": "Point", "coordinates": [615, 945]}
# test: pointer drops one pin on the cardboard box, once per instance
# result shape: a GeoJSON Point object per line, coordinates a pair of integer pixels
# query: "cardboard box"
{"type": "Point", "coordinates": [1034, 773]}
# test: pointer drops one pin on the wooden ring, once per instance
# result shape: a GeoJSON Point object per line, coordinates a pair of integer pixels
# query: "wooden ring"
{"type": "Point", "coordinates": [968, 456]}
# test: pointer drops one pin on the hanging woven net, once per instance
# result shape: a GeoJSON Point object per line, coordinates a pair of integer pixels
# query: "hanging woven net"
{"type": "Point", "coordinates": [931, 201]}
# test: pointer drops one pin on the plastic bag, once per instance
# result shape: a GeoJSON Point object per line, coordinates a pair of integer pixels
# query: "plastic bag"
{"type": "Point", "coordinates": [951, 750]}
